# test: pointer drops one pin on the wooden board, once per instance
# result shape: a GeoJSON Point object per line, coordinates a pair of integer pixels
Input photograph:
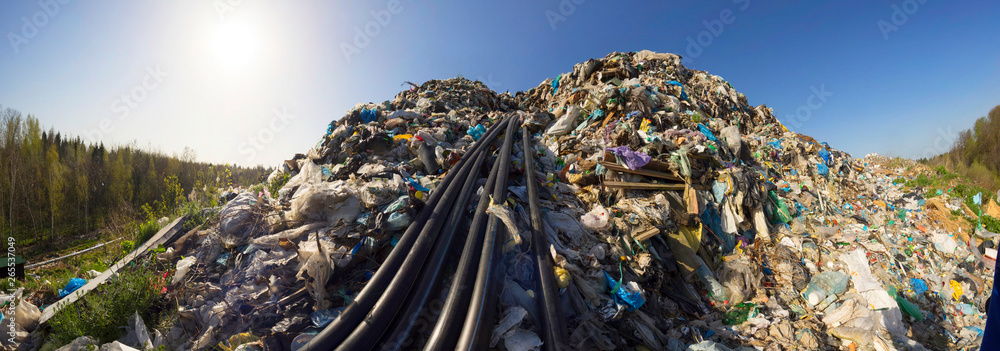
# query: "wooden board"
{"type": "Point", "coordinates": [166, 233]}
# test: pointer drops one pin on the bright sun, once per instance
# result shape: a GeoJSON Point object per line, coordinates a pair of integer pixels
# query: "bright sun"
{"type": "Point", "coordinates": [234, 44]}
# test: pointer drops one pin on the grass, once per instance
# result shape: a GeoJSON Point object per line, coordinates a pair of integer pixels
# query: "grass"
{"type": "Point", "coordinates": [102, 312]}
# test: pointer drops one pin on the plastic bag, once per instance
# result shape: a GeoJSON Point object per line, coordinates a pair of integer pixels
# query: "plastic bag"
{"type": "Point", "coordinates": [235, 217]}
{"type": "Point", "coordinates": [476, 132]}
{"type": "Point", "coordinates": [781, 213]}
{"type": "Point", "coordinates": [319, 268]}
{"type": "Point", "coordinates": [327, 201]}
{"type": "Point", "coordinates": [944, 243]}
{"type": "Point", "coordinates": [183, 267]}
{"type": "Point", "coordinates": [864, 282]}
{"type": "Point", "coordinates": [71, 286]}
{"type": "Point", "coordinates": [629, 294]}
{"type": "Point", "coordinates": [136, 333]}
{"type": "Point", "coordinates": [822, 169]}
{"type": "Point", "coordinates": [566, 123]}
{"type": "Point", "coordinates": [632, 159]}
{"type": "Point", "coordinates": [596, 219]}
{"type": "Point", "coordinates": [26, 315]}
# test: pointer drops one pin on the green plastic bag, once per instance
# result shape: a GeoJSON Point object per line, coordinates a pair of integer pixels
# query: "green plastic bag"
{"type": "Point", "coordinates": [781, 210]}
{"type": "Point", "coordinates": [908, 308]}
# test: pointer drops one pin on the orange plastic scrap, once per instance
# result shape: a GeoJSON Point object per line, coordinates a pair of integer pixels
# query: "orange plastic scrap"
{"type": "Point", "coordinates": [923, 229]}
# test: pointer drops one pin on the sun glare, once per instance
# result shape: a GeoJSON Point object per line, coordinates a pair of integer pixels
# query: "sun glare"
{"type": "Point", "coordinates": [234, 44]}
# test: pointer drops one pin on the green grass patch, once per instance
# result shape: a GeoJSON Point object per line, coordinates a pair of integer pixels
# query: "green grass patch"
{"type": "Point", "coordinates": [102, 312]}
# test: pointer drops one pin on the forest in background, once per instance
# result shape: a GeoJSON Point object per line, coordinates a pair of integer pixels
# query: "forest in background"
{"type": "Point", "coordinates": [54, 186]}
{"type": "Point", "coordinates": [976, 152]}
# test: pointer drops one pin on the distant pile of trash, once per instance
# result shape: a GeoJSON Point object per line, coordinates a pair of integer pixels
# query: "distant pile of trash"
{"type": "Point", "coordinates": [629, 204]}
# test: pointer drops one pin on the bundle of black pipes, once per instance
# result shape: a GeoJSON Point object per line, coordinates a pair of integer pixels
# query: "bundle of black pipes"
{"type": "Point", "coordinates": [552, 321]}
{"type": "Point", "coordinates": [384, 313]}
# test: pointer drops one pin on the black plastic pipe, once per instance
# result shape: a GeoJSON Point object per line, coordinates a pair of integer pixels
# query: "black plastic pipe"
{"type": "Point", "coordinates": [477, 327]}
{"type": "Point", "coordinates": [367, 333]}
{"type": "Point", "coordinates": [554, 333]}
{"type": "Point", "coordinates": [340, 328]}
{"type": "Point", "coordinates": [445, 334]}
{"type": "Point", "coordinates": [404, 322]}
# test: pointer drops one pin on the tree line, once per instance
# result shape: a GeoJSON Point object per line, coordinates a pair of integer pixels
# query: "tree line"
{"type": "Point", "coordinates": [52, 185]}
{"type": "Point", "coordinates": [976, 152]}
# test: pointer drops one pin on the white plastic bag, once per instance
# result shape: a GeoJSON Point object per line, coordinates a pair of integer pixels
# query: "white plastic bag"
{"type": "Point", "coordinates": [596, 219]}
{"type": "Point", "coordinates": [944, 243]}
{"type": "Point", "coordinates": [566, 123]}
{"type": "Point", "coordinates": [183, 267]}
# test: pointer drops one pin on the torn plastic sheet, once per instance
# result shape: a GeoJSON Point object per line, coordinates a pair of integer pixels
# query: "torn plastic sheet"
{"type": "Point", "coordinates": [633, 159]}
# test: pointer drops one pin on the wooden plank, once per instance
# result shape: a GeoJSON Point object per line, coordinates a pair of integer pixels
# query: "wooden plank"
{"type": "Point", "coordinates": [95, 247]}
{"type": "Point", "coordinates": [640, 171]}
{"type": "Point", "coordinates": [164, 234]}
{"type": "Point", "coordinates": [649, 186]}
{"type": "Point", "coordinates": [653, 165]}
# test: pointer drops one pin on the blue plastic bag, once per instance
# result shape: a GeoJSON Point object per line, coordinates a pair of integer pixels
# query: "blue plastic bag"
{"type": "Point", "coordinates": [72, 286]}
{"type": "Point", "coordinates": [684, 95]}
{"type": "Point", "coordinates": [707, 132]}
{"type": "Point", "coordinates": [476, 132]}
{"type": "Point", "coordinates": [623, 295]}
{"type": "Point", "coordinates": [822, 169]}
{"type": "Point", "coordinates": [712, 219]}
{"type": "Point", "coordinates": [918, 285]}
{"type": "Point", "coordinates": [368, 116]}
{"type": "Point", "coordinates": [825, 155]}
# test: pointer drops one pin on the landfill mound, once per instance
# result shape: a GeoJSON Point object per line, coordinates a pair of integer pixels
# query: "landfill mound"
{"type": "Point", "coordinates": [629, 204]}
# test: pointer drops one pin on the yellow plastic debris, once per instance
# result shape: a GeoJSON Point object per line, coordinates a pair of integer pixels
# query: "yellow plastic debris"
{"type": "Point", "coordinates": [406, 137]}
{"type": "Point", "coordinates": [563, 276]}
{"type": "Point", "coordinates": [957, 287]}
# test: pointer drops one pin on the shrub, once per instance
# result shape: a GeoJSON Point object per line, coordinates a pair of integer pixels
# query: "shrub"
{"type": "Point", "coordinates": [278, 183]}
{"type": "Point", "coordinates": [146, 230]}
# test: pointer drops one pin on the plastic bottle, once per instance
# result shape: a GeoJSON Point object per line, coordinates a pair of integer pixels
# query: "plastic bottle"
{"type": "Point", "coordinates": [715, 290]}
{"type": "Point", "coordinates": [823, 284]}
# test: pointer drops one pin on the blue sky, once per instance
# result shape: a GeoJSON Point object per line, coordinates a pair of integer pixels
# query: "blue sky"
{"type": "Point", "coordinates": [253, 82]}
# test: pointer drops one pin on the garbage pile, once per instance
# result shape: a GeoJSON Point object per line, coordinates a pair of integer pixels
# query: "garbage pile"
{"type": "Point", "coordinates": [633, 204]}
